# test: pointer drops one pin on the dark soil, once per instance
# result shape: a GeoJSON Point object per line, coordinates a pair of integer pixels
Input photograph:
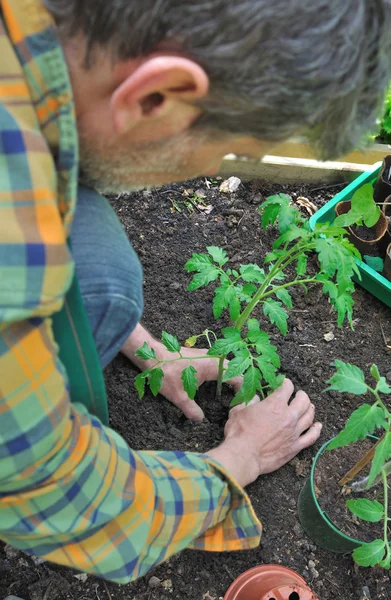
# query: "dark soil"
{"type": "Point", "coordinates": [366, 234]}
{"type": "Point", "coordinates": [331, 467]}
{"type": "Point", "coordinates": [165, 239]}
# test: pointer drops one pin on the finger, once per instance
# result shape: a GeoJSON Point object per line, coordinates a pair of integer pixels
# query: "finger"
{"type": "Point", "coordinates": [242, 406]}
{"type": "Point", "coordinates": [310, 437]}
{"type": "Point", "coordinates": [236, 382]}
{"type": "Point", "coordinates": [300, 404]}
{"type": "Point", "coordinates": [190, 408]}
{"type": "Point", "coordinates": [307, 419]}
{"type": "Point", "coordinates": [282, 393]}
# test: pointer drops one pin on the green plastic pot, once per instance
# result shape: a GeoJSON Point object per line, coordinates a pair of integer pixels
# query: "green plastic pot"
{"type": "Point", "coordinates": [315, 522]}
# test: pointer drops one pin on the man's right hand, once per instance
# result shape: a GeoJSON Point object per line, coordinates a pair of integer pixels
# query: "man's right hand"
{"type": "Point", "coordinates": [263, 436]}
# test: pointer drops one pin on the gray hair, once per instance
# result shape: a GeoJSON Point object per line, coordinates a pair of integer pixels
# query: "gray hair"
{"type": "Point", "coordinates": [277, 67]}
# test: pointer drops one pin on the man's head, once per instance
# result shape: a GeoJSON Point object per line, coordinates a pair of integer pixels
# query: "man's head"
{"type": "Point", "coordinates": [165, 88]}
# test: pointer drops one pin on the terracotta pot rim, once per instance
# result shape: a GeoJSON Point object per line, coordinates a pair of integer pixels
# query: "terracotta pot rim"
{"type": "Point", "coordinates": [238, 586]}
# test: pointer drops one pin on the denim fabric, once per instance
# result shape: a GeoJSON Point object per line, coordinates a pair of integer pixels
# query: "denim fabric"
{"type": "Point", "coordinates": [109, 273]}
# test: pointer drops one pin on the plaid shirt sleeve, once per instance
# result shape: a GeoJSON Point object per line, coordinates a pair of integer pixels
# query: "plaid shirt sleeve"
{"type": "Point", "coordinates": [71, 490]}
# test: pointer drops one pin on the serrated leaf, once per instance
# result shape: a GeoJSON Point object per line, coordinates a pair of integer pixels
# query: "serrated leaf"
{"type": "Point", "coordinates": [268, 371]}
{"type": "Point", "coordinates": [253, 325]}
{"type": "Point", "coordinates": [234, 309]}
{"type": "Point", "coordinates": [292, 233]}
{"type": "Point", "coordinates": [251, 384]}
{"type": "Point", "coordinates": [139, 382]}
{"type": "Point", "coordinates": [249, 289]}
{"type": "Point", "coordinates": [203, 278]}
{"type": "Point", "coordinates": [190, 382]}
{"type": "Point", "coordinates": [218, 255]}
{"type": "Point", "coordinates": [285, 297]}
{"type": "Point", "coordinates": [146, 353]}
{"type": "Point", "coordinates": [272, 256]}
{"type": "Point", "coordinates": [232, 342]}
{"type": "Point", "coordinates": [238, 365]}
{"type": "Point", "coordinates": [374, 262]}
{"type": "Point", "coordinates": [363, 421]}
{"type": "Point", "coordinates": [369, 555]}
{"type": "Point", "coordinates": [382, 454]}
{"type": "Point", "coordinates": [252, 274]}
{"type": "Point", "coordinates": [278, 199]}
{"type": "Point", "coordinates": [198, 262]}
{"type": "Point", "coordinates": [301, 266]}
{"type": "Point", "coordinates": [348, 378]}
{"type": "Point", "coordinates": [170, 342]}
{"type": "Point", "coordinates": [155, 380]}
{"type": "Point", "coordinates": [367, 510]}
{"type": "Point", "coordinates": [277, 315]}
{"type": "Point", "coordinates": [344, 306]}
{"type": "Point", "coordinates": [222, 298]}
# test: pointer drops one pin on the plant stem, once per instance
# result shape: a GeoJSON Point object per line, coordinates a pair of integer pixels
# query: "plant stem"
{"type": "Point", "coordinates": [220, 377]}
{"type": "Point", "coordinates": [386, 519]}
{"type": "Point", "coordinates": [361, 464]}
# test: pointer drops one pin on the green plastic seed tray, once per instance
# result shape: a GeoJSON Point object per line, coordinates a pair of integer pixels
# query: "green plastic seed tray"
{"type": "Point", "coordinates": [370, 280]}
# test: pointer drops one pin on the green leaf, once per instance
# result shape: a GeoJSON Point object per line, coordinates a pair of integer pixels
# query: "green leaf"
{"type": "Point", "coordinates": [238, 365]}
{"type": "Point", "coordinates": [278, 199]}
{"type": "Point", "coordinates": [252, 274]}
{"type": "Point", "coordinates": [203, 278]}
{"type": "Point", "coordinates": [383, 386]}
{"type": "Point", "coordinates": [276, 314]}
{"type": "Point", "coordinates": [287, 218]}
{"type": "Point", "coordinates": [367, 510]}
{"type": "Point", "coordinates": [301, 267]}
{"type": "Point", "coordinates": [253, 325]}
{"type": "Point", "coordinates": [251, 384]}
{"type": "Point", "coordinates": [222, 299]}
{"type": "Point", "coordinates": [386, 563]}
{"type": "Point", "coordinates": [249, 289]}
{"type": "Point", "coordinates": [268, 370]}
{"type": "Point", "coordinates": [146, 353]}
{"type": "Point", "coordinates": [218, 254]}
{"type": "Point", "coordinates": [272, 256]}
{"type": "Point", "coordinates": [374, 371]}
{"type": "Point", "coordinates": [155, 380]}
{"type": "Point", "coordinates": [364, 420]}
{"type": "Point", "coordinates": [139, 382]}
{"type": "Point", "coordinates": [171, 342]}
{"type": "Point", "coordinates": [344, 305]}
{"type": "Point", "coordinates": [382, 454]}
{"type": "Point", "coordinates": [369, 555]}
{"type": "Point", "coordinates": [291, 234]}
{"type": "Point", "coordinates": [285, 297]}
{"type": "Point", "coordinates": [232, 342]}
{"type": "Point", "coordinates": [364, 204]}
{"type": "Point", "coordinates": [198, 262]}
{"type": "Point", "coordinates": [234, 309]}
{"type": "Point", "coordinates": [190, 382]}
{"type": "Point", "coordinates": [374, 262]}
{"type": "Point", "coordinates": [270, 214]}
{"type": "Point", "coordinates": [348, 378]}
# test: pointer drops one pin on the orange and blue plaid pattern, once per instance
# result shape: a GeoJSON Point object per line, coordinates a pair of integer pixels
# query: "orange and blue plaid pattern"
{"type": "Point", "coordinates": [71, 490]}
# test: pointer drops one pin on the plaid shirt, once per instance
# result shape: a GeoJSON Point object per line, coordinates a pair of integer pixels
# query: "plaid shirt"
{"type": "Point", "coordinates": [71, 490]}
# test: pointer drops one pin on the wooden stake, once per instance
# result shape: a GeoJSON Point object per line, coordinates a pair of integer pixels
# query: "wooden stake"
{"type": "Point", "coordinates": [362, 463]}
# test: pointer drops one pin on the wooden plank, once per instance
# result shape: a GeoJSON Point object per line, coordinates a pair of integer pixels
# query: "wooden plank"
{"type": "Point", "coordinates": [296, 148]}
{"type": "Point", "coordinates": [276, 169]}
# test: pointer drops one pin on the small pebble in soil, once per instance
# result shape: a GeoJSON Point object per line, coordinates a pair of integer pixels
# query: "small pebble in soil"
{"type": "Point", "coordinates": [11, 552]}
{"type": "Point", "coordinates": [167, 585]}
{"type": "Point", "coordinates": [154, 582]}
{"type": "Point", "coordinates": [230, 185]}
{"type": "Point", "coordinates": [388, 376]}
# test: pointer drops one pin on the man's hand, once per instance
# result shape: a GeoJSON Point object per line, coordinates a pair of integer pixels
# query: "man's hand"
{"type": "Point", "coordinates": [172, 388]}
{"type": "Point", "coordinates": [263, 436]}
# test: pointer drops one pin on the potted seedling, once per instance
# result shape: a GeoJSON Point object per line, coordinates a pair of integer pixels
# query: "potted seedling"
{"type": "Point", "coordinates": [264, 290]}
{"type": "Point", "coordinates": [366, 224]}
{"type": "Point", "coordinates": [351, 513]}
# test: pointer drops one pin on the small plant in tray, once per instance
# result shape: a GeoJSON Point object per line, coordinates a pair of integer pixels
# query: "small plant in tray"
{"type": "Point", "coordinates": [364, 421]}
{"type": "Point", "coordinates": [241, 291]}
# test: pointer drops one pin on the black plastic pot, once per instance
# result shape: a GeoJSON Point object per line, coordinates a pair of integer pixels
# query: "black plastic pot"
{"type": "Point", "coordinates": [315, 522]}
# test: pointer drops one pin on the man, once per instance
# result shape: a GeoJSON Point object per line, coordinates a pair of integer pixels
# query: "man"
{"type": "Point", "coordinates": [162, 90]}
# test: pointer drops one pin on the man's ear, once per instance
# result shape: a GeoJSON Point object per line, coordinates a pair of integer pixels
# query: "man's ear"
{"type": "Point", "coordinates": [152, 88]}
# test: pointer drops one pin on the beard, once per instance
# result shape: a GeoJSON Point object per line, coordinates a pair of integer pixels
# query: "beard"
{"type": "Point", "coordinates": [112, 168]}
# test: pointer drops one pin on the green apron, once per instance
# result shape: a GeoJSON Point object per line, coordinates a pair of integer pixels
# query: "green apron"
{"type": "Point", "coordinates": [78, 354]}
